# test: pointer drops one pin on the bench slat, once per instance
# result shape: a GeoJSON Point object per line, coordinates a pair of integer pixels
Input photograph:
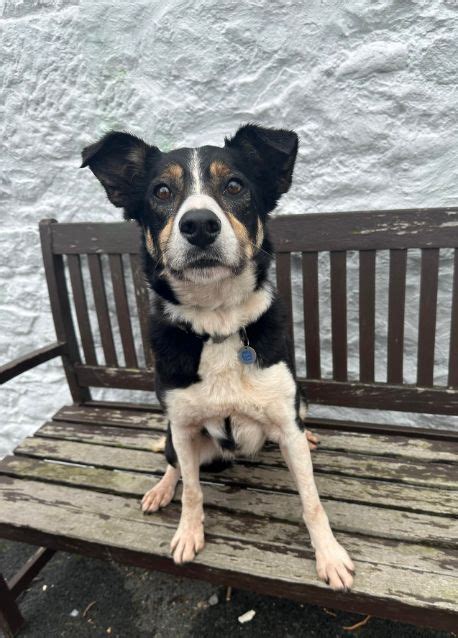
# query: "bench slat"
{"type": "Point", "coordinates": [396, 312]}
{"type": "Point", "coordinates": [366, 315]}
{"type": "Point", "coordinates": [339, 314]}
{"type": "Point", "coordinates": [311, 314]}
{"type": "Point", "coordinates": [81, 517]}
{"type": "Point", "coordinates": [441, 476]}
{"type": "Point", "coordinates": [453, 354]}
{"type": "Point", "coordinates": [362, 519]}
{"type": "Point", "coordinates": [101, 307]}
{"type": "Point", "coordinates": [360, 443]}
{"type": "Point", "coordinates": [143, 307]}
{"type": "Point", "coordinates": [427, 316]}
{"type": "Point", "coordinates": [122, 310]}
{"type": "Point", "coordinates": [81, 309]}
{"type": "Point", "coordinates": [283, 275]}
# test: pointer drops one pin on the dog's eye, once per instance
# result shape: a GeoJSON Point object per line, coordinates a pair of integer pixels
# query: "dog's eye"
{"type": "Point", "coordinates": [233, 187]}
{"type": "Point", "coordinates": [163, 192]}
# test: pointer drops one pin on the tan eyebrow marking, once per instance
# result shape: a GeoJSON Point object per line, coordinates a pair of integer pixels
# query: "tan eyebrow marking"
{"type": "Point", "coordinates": [173, 172]}
{"type": "Point", "coordinates": [219, 169]}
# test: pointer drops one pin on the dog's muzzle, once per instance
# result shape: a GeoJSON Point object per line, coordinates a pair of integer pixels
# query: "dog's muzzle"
{"type": "Point", "coordinates": [200, 227]}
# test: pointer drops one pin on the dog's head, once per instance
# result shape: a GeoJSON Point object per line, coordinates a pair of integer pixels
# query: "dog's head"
{"type": "Point", "coordinates": [203, 211]}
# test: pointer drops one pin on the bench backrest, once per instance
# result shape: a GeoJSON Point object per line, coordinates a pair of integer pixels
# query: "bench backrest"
{"type": "Point", "coordinates": [326, 260]}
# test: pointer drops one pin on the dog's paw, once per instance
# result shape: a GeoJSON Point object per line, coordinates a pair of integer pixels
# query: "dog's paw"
{"type": "Point", "coordinates": [187, 542]}
{"type": "Point", "coordinates": [313, 439]}
{"type": "Point", "coordinates": [158, 496]}
{"type": "Point", "coordinates": [335, 567]}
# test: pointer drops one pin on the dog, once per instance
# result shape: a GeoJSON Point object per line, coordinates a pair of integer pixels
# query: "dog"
{"type": "Point", "coordinates": [224, 371]}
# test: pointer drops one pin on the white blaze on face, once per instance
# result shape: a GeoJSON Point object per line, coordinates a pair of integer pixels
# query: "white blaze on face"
{"type": "Point", "coordinates": [226, 245]}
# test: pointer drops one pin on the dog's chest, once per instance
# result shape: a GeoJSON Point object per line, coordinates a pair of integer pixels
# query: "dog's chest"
{"type": "Point", "coordinates": [228, 387]}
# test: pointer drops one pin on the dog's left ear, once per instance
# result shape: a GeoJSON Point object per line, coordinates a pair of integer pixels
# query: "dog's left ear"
{"type": "Point", "coordinates": [120, 162]}
{"type": "Point", "coordinates": [272, 151]}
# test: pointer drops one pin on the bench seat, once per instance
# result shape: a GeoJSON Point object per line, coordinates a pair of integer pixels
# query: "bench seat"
{"type": "Point", "coordinates": [391, 499]}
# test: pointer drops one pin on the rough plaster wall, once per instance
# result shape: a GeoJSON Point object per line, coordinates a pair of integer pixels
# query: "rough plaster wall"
{"type": "Point", "coordinates": [370, 86]}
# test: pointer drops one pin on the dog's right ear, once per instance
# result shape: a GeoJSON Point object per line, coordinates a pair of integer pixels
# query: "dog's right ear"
{"type": "Point", "coordinates": [120, 162]}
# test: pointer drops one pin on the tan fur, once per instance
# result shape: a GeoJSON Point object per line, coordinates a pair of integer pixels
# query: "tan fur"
{"type": "Point", "coordinates": [259, 234]}
{"type": "Point", "coordinates": [149, 243]}
{"type": "Point", "coordinates": [241, 233]}
{"type": "Point", "coordinates": [173, 172]}
{"type": "Point", "coordinates": [219, 169]}
{"type": "Point", "coordinates": [164, 235]}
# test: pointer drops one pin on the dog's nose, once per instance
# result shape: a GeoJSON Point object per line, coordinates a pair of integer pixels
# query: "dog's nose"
{"type": "Point", "coordinates": [200, 227]}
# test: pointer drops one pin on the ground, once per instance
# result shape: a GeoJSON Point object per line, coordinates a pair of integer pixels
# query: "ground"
{"type": "Point", "coordinates": [132, 603]}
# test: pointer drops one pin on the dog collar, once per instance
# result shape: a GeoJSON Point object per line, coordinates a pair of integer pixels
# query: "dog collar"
{"type": "Point", "coordinates": [246, 354]}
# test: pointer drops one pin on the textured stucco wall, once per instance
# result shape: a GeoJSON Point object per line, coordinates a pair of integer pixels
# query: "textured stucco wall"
{"type": "Point", "coordinates": [370, 86]}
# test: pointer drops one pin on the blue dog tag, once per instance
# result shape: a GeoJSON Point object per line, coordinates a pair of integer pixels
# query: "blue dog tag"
{"type": "Point", "coordinates": [247, 355]}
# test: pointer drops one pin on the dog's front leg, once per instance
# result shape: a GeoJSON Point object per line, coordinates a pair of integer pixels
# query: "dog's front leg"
{"type": "Point", "coordinates": [333, 564]}
{"type": "Point", "coordinates": [189, 537]}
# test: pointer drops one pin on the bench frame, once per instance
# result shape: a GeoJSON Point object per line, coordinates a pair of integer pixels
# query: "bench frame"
{"type": "Point", "coordinates": [336, 233]}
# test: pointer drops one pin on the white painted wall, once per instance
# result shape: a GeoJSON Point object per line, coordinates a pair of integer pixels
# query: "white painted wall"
{"type": "Point", "coordinates": [370, 86]}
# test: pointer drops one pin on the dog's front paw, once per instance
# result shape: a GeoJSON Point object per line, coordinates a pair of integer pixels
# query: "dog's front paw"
{"type": "Point", "coordinates": [158, 496]}
{"type": "Point", "coordinates": [335, 566]}
{"type": "Point", "coordinates": [187, 542]}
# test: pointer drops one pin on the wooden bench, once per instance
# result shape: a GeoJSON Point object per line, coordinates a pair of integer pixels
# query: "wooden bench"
{"type": "Point", "coordinates": [390, 490]}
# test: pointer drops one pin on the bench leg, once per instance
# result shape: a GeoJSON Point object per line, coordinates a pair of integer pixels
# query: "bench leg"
{"type": "Point", "coordinates": [11, 619]}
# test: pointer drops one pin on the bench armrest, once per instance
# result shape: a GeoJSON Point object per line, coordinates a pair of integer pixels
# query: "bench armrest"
{"type": "Point", "coordinates": [30, 360]}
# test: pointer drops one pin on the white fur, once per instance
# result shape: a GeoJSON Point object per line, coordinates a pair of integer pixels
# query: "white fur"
{"type": "Point", "coordinates": [219, 307]}
{"type": "Point", "coordinates": [226, 244]}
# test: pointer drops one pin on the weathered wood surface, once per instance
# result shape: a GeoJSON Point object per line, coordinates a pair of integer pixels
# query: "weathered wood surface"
{"type": "Point", "coordinates": [360, 443]}
{"type": "Point", "coordinates": [116, 522]}
{"type": "Point", "coordinates": [348, 490]}
{"type": "Point", "coordinates": [437, 475]}
{"type": "Point", "coordinates": [415, 228]}
{"type": "Point", "coordinates": [351, 518]}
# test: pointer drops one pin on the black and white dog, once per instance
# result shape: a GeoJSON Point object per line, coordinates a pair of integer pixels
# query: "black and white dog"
{"type": "Point", "coordinates": [223, 366]}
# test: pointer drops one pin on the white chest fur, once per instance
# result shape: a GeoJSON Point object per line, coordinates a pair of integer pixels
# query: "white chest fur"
{"type": "Point", "coordinates": [229, 388]}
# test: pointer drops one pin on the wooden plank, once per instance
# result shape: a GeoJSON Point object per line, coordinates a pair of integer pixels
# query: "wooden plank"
{"type": "Point", "coordinates": [283, 275]}
{"type": "Point", "coordinates": [120, 416]}
{"type": "Point", "coordinates": [278, 564]}
{"type": "Point", "coordinates": [336, 489]}
{"type": "Point", "coordinates": [122, 310]}
{"type": "Point", "coordinates": [143, 307]}
{"type": "Point", "coordinates": [60, 307]}
{"type": "Point", "coordinates": [278, 519]}
{"type": "Point", "coordinates": [151, 416]}
{"type": "Point", "coordinates": [81, 309]}
{"type": "Point", "coordinates": [22, 579]}
{"type": "Point", "coordinates": [30, 360]}
{"type": "Point", "coordinates": [101, 307]}
{"type": "Point", "coordinates": [311, 314]}
{"type": "Point", "coordinates": [366, 315]}
{"type": "Point", "coordinates": [330, 440]}
{"type": "Point", "coordinates": [359, 230]}
{"type": "Point", "coordinates": [339, 314]}
{"type": "Point", "coordinates": [427, 316]}
{"type": "Point", "coordinates": [381, 396]}
{"type": "Point", "coordinates": [396, 311]}
{"type": "Point", "coordinates": [11, 620]}
{"type": "Point", "coordinates": [109, 377]}
{"type": "Point", "coordinates": [438, 475]}
{"type": "Point", "coordinates": [453, 352]}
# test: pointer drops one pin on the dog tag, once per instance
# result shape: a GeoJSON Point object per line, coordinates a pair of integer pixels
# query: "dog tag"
{"type": "Point", "coordinates": [247, 355]}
